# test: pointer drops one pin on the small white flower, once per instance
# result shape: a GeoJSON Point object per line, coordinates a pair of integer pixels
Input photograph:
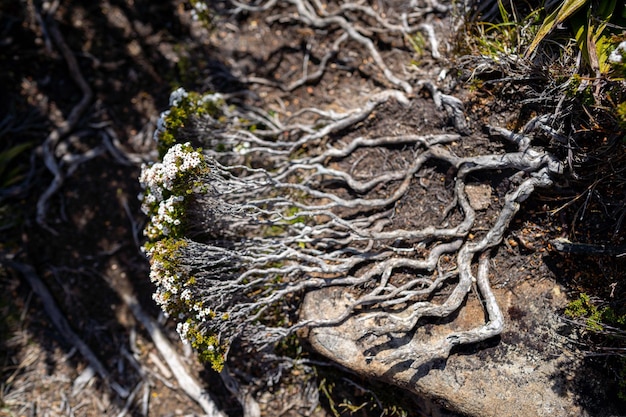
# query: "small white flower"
{"type": "Point", "coordinates": [161, 125]}
{"type": "Point", "coordinates": [177, 96]}
{"type": "Point", "coordinates": [200, 7]}
{"type": "Point", "coordinates": [242, 148]}
{"type": "Point", "coordinates": [215, 97]}
{"type": "Point", "coordinates": [183, 331]}
{"type": "Point", "coordinates": [617, 55]}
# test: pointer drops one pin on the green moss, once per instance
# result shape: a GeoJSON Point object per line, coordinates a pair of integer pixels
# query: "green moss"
{"type": "Point", "coordinates": [208, 347]}
{"type": "Point", "coordinates": [583, 308]}
{"type": "Point", "coordinates": [596, 318]}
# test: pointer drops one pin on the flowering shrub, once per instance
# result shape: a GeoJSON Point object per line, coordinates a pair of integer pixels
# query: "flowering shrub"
{"type": "Point", "coordinates": [183, 107]}
{"type": "Point", "coordinates": [175, 295]}
{"type": "Point", "coordinates": [165, 184]}
{"type": "Point", "coordinates": [168, 186]}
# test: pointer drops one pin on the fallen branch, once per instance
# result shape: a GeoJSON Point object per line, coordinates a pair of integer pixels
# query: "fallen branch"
{"type": "Point", "coordinates": [49, 145]}
{"type": "Point", "coordinates": [185, 380]}
{"type": "Point", "coordinates": [63, 326]}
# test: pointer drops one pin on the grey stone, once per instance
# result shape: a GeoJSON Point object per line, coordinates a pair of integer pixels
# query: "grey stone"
{"type": "Point", "coordinates": [526, 372]}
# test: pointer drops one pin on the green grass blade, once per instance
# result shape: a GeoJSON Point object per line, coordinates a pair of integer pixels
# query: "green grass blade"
{"type": "Point", "coordinates": [560, 15]}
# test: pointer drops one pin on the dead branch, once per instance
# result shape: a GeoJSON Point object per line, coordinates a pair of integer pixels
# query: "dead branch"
{"type": "Point", "coordinates": [52, 140]}
{"type": "Point", "coordinates": [63, 326]}
{"type": "Point", "coordinates": [185, 380]}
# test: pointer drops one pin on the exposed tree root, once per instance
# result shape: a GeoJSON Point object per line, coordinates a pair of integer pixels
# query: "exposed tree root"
{"type": "Point", "coordinates": [261, 236]}
{"type": "Point", "coordinates": [286, 207]}
{"type": "Point", "coordinates": [49, 146]}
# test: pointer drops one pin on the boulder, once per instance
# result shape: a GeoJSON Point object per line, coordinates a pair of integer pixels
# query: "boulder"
{"type": "Point", "coordinates": [527, 371]}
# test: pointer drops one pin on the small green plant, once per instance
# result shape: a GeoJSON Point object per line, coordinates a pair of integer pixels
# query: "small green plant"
{"type": "Point", "coordinates": [345, 398]}
{"type": "Point", "coordinates": [508, 36]}
{"type": "Point", "coordinates": [584, 308]}
{"type": "Point", "coordinates": [596, 318]}
{"type": "Point", "coordinates": [11, 173]}
{"type": "Point", "coordinates": [607, 324]}
{"type": "Point", "coordinates": [200, 12]}
{"type": "Point", "coordinates": [184, 106]}
{"type": "Point", "coordinates": [593, 23]}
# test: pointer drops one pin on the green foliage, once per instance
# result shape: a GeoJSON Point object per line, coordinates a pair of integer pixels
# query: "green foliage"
{"type": "Point", "coordinates": [191, 105]}
{"type": "Point", "coordinates": [165, 199]}
{"type": "Point", "coordinates": [596, 318]}
{"type": "Point", "coordinates": [508, 36]}
{"type": "Point", "coordinates": [208, 347]}
{"type": "Point", "coordinates": [11, 173]}
{"type": "Point", "coordinates": [345, 398]}
{"type": "Point", "coordinates": [175, 293]}
{"type": "Point", "coordinates": [584, 308]}
{"type": "Point", "coordinates": [417, 42]}
{"type": "Point", "coordinates": [593, 23]}
{"type": "Point", "coordinates": [606, 323]}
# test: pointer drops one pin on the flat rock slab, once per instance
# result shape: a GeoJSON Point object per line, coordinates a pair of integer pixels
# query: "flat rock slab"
{"type": "Point", "coordinates": [526, 371]}
{"type": "Point", "coordinates": [479, 195]}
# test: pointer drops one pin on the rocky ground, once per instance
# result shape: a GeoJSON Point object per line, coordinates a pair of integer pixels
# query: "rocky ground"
{"type": "Point", "coordinates": [87, 124]}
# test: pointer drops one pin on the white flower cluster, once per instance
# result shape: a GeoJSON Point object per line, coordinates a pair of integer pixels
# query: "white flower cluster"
{"type": "Point", "coordinates": [162, 221]}
{"type": "Point", "coordinates": [177, 96]}
{"type": "Point", "coordinates": [176, 99]}
{"type": "Point", "coordinates": [202, 313]}
{"type": "Point", "coordinates": [617, 56]}
{"type": "Point", "coordinates": [210, 98]}
{"type": "Point", "coordinates": [160, 177]}
{"type": "Point", "coordinates": [183, 331]}
{"type": "Point", "coordinates": [167, 284]}
{"type": "Point", "coordinates": [161, 125]}
{"type": "Point", "coordinates": [172, 291]}
{"type": "Point", "coordinates": [242, 148]}
{"type": "Point", "coordinates": [198, 9]}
